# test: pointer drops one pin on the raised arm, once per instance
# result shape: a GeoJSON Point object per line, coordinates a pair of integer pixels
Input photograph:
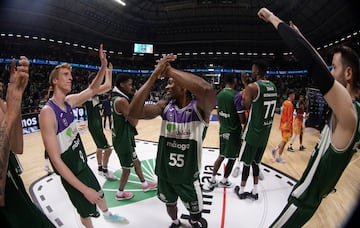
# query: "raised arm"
{"type": "Point", "coordinates": [334, 93]}
{"type": "Point", "coordinates": [203, 91]}
{"type": "Point", "coordinates": [137, 107]}
{"type": "Point", "coordinates": [79, 98]}
{"type": "Point", "coordinates": [10, 118]}
{"type": "Point", "coordinates": [106, 86]}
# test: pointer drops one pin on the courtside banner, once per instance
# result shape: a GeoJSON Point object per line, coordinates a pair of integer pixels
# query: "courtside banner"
{"type": "Point", "coordinates": [30, 122]}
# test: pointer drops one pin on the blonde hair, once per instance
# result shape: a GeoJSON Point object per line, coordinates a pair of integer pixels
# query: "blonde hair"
{"type": "Point", "coordinates": [55, 72]}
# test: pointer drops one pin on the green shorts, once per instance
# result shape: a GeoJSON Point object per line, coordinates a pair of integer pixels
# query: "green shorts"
{"type": "Point", "coordinates": [230, 145]}
{"type": "Point", "coordinates": [250, 153]}
{"type": "Point", "coordinates": [82, 205]}
{"type": "Point", "coordinates": [190, 194]}
{"type": "Point", "coordinates": [126, 157]}
{"type": "Point", "coordinates": [99, 138]}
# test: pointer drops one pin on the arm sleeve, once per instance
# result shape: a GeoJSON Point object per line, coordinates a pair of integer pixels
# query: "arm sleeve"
{"type": "Point", "coordinates": [308, 57]}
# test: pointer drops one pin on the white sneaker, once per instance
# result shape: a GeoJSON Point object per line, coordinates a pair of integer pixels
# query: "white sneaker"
{"type": "Point", "coordinates": [226, 184]}
{"type": "Point", "coordinates": [110, 176]}
{"type": "Point", "coordinates": [261, 175]}
{"type": "Point", "coordinates": [236, 171]}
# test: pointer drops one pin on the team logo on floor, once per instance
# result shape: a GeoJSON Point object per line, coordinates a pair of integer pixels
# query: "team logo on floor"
{"type": "Point", "coordinates": [133, 185]}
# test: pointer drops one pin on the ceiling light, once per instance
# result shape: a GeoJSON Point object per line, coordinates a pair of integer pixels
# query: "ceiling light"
{"type": "Point", "coordinates": [120, 2]}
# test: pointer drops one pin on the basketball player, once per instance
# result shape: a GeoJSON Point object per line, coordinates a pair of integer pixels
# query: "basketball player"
{"type": "Point", "coordinates": [64, 146]}
{"type": "Point", "coordinates": [340, 136]}
{"type": "Point", "coordinates": [243, 117]}
{"type": "Point", "coordinates": [103, 149]}
{"type": "Point", "coordinates": [44, 98]}
{"type": "Point", "coordinates": [229, 132]}
{"type": "Point", "coordinates": [298, 123]}
{"type": "Point", "coordinates": [184, 123]}
{"type": "Point", "coordinates": [286, 125]}
{"type": "Point", "coordinates": [123, 137]}
{"type": "Point", "coordinates": [16, 207]}
{"type": "Point", "coordinates": [260, 99]}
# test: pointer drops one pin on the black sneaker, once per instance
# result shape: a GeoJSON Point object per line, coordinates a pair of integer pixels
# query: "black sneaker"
{"type": "Point", "coordinates": [302, 148]}
{"type": "Point", "coordinates": [173, 225]}
{"type": "Point", "coordinates": [253, 196]}
{"type": "Point", "coordinates": [242, 195]}
{"type": "Point", "coordinates": [195, 225]}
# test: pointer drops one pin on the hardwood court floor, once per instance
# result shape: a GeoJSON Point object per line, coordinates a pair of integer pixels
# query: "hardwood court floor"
{"type": "Point", "coordinates": [332, 213]}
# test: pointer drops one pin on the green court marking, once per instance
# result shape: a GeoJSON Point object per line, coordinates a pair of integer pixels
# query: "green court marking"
{"type": "Point", "coordinates": [133, 185]}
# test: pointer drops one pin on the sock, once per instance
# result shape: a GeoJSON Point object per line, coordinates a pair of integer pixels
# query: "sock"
{"type": "Point", "coordinates": [242, 189]}
{"type": "Point", "coordinates": [104, 169]}
{"type": "Point", "coordinates": [176, 221]}
{"type": "Point", "coordinates": [212, 178]}
{"type": "Point", "coordinates": [224, 180]}
{"type": "Point", "coordinates": [106, 212]}
{"type": "Point", "coordinates": [119, 193]}
{"type": "Point", "coordinates": [255, 191]}
{"type": "Point", "coordinates": [145, 183]}
{"type": "Point", "coordinates": [100, 167]}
